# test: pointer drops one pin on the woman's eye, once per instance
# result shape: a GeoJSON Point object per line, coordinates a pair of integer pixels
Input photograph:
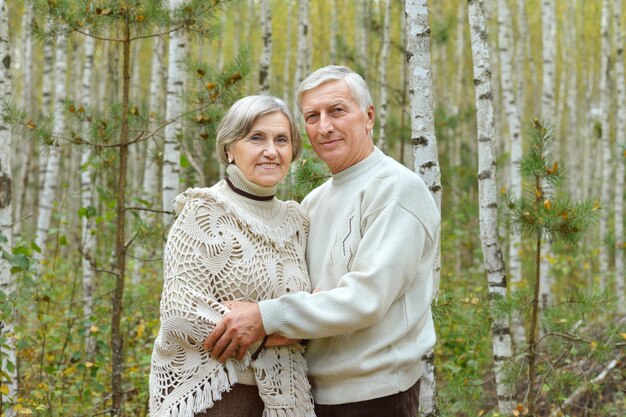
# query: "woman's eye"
{"type": "Point", "coordinates": [282, 139]}
{"type": "Point", "coordinates": [256, 137]}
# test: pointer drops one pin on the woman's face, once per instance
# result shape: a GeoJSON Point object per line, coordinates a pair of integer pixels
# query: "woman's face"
{"type": "Point", "coordinates": [265, 153]}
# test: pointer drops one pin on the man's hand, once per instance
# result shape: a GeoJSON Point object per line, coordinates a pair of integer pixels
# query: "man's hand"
{"type": "Point", "coordinates": [237, 331]}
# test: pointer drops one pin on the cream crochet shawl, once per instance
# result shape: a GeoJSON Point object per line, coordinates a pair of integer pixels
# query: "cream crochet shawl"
{"type": "Point", "coordinates": [218, 251]}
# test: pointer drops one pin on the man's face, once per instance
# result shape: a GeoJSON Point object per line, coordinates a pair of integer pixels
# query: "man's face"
{"type": "Point", "coordinates": [336, 126]}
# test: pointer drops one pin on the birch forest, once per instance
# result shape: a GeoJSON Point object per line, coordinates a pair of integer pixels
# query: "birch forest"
{"type": "Point", "coordinates": [512, 111]}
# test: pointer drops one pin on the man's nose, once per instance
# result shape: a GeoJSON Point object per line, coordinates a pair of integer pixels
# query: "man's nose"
{"type": "Point", "coordinates": [326, 124]}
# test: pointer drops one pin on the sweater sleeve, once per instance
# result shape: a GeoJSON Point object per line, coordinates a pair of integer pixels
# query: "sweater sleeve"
{"type": "Point", "coordinates": [388, 258]}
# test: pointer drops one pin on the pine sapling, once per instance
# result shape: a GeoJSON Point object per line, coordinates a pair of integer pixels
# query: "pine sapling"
{"type": "Point", "coordinates": [539, 217]}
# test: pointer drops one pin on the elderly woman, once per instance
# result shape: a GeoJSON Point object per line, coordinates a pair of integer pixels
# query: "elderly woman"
{"type": "Point", "coordinates": [234, 241]}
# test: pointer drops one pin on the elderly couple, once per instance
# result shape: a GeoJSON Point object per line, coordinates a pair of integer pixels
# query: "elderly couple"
{"type": "Point", "coordinates": [250, 280]}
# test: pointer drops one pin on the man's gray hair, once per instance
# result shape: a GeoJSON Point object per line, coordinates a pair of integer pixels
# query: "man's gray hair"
{"type": "Point", "coordinates": [239, 119]}
{"type": "Point", "coordinates": [357, 85]}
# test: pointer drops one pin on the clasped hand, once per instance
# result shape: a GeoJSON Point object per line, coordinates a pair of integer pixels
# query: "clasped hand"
{"type": "Point", "coordinates": [241, 328]}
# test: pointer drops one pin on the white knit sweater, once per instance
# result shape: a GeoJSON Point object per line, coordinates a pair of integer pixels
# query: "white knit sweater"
{"type": "Point", "coordinates": [224, 246]}
{"type": "Point", "coordinates": [371, 249]}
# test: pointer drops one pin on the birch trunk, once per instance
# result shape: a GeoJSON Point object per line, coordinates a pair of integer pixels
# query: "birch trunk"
{"type": "Point", "coordinates": [605, 103]}
{"type": "Point", "coordinates": [175, 82]}
{"type": "Point", "coordinates": [50, 181]}
{"type": "Point", "coordinates": [87, 177]}
{"type": "Point", "coordinates": [266, 55]}
{"type": "Point", "coordinates": [151, 167]}
{"type": "Point", "coordinates": [574, 145]}
{"type": "Point", "coordinates": [8, 356]}
{"type": "Point", "coordinates": [620, 154]}
{"type": "Point", "coordinates": [548, 108]}
{"type": "Point", "coordinates": [361, 28]}
{"type": "Point", "coordinates": [488, 198]}
{"type": "Point", "coordinates": [382, 68]}
{"type": "Point", "coordinates": [424, 150]}
{"type": "Point", "coordinates": [27, 104]}
{"type": "Point", "coordinates": [548, 21]}
{"type": "Point", "coordinates": [515, 141]}
{"type": "Point", "coordinates": [302, 68]}
{"type": "Point", "coordinates": [46, 109]}
{"type": "Point", "coordinates": [524, 55]}
{"type": "Point", "coordinates": [334, 25]}
{"type": "Point", "coordinates": [287, 96]}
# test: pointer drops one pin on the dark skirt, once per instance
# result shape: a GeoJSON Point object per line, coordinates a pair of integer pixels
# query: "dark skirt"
{"type": "Point", "coordinates": [241, 401]}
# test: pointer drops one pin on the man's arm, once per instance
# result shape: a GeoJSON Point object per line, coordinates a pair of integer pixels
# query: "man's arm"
{"type": "Point", "coordinates": [388, 255]}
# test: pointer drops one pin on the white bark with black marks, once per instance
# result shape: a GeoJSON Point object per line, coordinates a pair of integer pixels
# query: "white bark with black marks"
{"type": "Point", "coordinates": [605, 144]}
{"type": "Point", "coordinates": [51, 178]}
{"type": "Point", "coordinates": [511, 109]}
{"type": "Point", "coordinates": [265, 72]}
{"type": "Point", "coordinates": [620, 155]}
{"type": "Point", "coordinates": [382, 69]}
{"type": "Point", "coordinates": [488, 202]}
{"type": "Point", "coordinates": [87, 195]}
{"type": "Point", "coordinates": [7, 280]}
{"type": "Point", "coordinates": [424, 150]}
{"type": "Point", "coordinates": [175, 83]}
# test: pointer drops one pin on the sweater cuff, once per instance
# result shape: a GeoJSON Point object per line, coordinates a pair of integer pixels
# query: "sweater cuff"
{"type": "Point", "coordinates": [273, 314]}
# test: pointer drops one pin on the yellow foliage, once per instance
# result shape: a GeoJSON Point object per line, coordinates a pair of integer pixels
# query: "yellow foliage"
{"type": "Point", "coordinates": [4, 389]}
{"type": "Point", "coordinates": [141, 328]}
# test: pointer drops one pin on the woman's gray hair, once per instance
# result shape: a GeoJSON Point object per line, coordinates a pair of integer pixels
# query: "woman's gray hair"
{"type": "Point", "coordinates": [238, 121]}
{"type": "Point", "coordinates": [357, 85]}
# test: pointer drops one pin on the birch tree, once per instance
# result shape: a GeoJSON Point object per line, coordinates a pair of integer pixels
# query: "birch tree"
{"type": "Point", "coordinates": [87, 211]}
{"type": "Point", "coordinates": [27, 103]}
{"type": "Point", "coordinates": [50, 180]}
{"type": "Point", "coordinates": [620, 154]}
{"type": "Point", "coordinates": [488, 201]}
{"type": "Point", "coordinates": [515, 140]}
{"type": "Point", "coordinates": [302, 67]}
{"type": "Point", "coordinates": [334, 24]}
{"type": "Point", "coordinates": [548, 107]}
{"type": "Point", "coordinates": [8, 363]}
{"type": "Point", "coordinates": [287, 96]}
{"type": "Point", "coordinates": [384, 87]}
{"type": "Point", "coordinates": [152, 158]}
{"type": "Point", "coordinates": [605, 150]}
{"type": "Point", "coordinates": [424, 149]}
{"type": "Point", "coordinates": [175, 84]}
{"type": "Point", "coordinates": [265, 73]}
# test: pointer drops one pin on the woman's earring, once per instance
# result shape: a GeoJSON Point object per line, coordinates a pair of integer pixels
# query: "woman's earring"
{"type": "Point", "coordinates": [230, 159]}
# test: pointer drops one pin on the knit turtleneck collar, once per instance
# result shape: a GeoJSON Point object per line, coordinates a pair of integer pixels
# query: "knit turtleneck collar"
{"type": "Point", "coordinates": [359, 168]}
{"type": "Point", "coordinates": [237, 181]}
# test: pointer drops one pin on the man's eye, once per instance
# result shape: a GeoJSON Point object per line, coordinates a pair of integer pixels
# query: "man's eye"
{"type": "Point", "coordinates": [337, 110]}
{"type": "Point", "coordinates": [311, 118]}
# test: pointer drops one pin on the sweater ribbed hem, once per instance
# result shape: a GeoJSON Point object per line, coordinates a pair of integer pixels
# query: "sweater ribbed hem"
{"type": "Point", "coordinates": [273, 314]}
{"type": "Point", "coordinates": [379, 384]}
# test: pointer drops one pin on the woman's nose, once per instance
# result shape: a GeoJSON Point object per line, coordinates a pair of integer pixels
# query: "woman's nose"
{"type": "Point", "coordinates": [270, 149]}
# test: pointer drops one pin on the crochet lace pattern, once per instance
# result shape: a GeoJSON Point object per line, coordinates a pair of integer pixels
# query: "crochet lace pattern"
{"type": "Point", "coordinates": [217, 251]}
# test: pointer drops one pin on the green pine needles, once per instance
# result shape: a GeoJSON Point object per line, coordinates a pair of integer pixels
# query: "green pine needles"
{"type": "Point", "coordinates": [536, 215]}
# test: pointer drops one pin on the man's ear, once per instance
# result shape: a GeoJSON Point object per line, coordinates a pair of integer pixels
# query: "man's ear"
{"type": "Point", "coordinates": [369, 116]}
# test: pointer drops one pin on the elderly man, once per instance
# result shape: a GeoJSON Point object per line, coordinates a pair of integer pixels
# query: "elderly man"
{"type": "Point", "coordinates": [371, 248]}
